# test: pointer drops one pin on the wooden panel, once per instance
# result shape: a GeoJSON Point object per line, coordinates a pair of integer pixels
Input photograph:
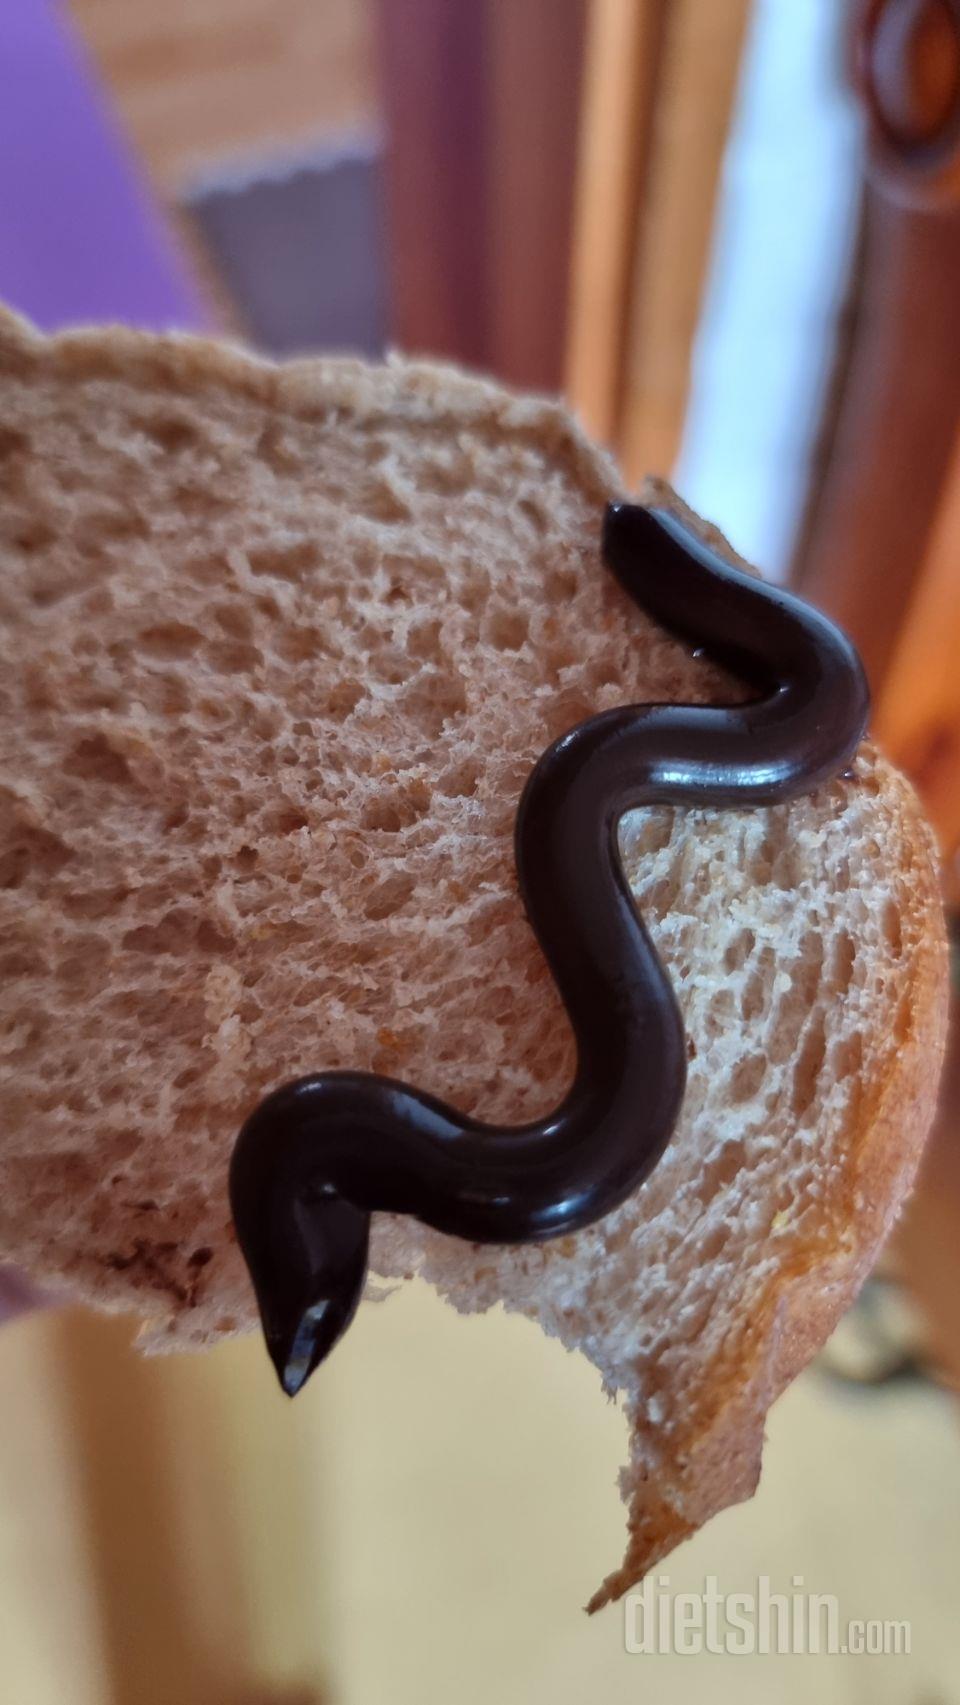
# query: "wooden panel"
{"type": "Point", "coordinates": [696, 87]}
{"type": "Point", "coordinates": [433, 97]}
{"type": "Point", "coordinates": [898, 416]}
{"type": "Point", "coordinates": [198, 79]}
{"type": "Point", "coordinates": [927, 1240]}
{"type": "Point", "coordinates": [620, 71]}
{"type": "Point", "coordinates": [481, 105]}
{"type": "Point", "coordinates": [918, 717]}
{"type": "Point", "coordinates": [534, 56]}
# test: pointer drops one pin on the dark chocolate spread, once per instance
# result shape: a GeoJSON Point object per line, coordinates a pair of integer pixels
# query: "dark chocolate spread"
{"type": "Point", "coordinates": [318, 1156]}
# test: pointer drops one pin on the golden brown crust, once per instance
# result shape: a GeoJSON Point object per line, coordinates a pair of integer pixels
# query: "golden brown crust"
{"type": "Point", "coordinates": [721, 1453]}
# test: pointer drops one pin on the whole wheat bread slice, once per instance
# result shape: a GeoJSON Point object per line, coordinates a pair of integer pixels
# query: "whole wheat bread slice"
{"type": "Point", "coordinates": [279, 648]}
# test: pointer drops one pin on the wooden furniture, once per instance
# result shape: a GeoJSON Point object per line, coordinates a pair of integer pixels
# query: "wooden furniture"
{"type": "Point", "coordinates": [481, 109]}
{"type": "Point", "coordinates": [882, 549]}
{"type": "Point", "coordinates": [197, 81]}
{"type": "Point", "coordinates": [659, 89]}
{"type": "Point", "coordinates": [875, 515]}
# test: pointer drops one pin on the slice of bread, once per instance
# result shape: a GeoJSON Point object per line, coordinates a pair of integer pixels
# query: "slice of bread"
{"type": "Point", "coordinates": [280, 647]}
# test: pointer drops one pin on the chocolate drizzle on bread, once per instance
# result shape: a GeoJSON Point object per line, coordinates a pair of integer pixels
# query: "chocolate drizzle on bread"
{"type": "Point", "coordinates": [318, 1156]}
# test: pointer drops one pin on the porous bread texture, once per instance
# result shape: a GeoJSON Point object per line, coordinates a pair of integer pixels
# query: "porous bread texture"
{"type": "Point", "coordinates": [279, 648]}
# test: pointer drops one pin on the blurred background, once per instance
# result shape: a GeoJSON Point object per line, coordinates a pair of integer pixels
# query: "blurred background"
{"type": "Point", "coordinates": [729, 232]}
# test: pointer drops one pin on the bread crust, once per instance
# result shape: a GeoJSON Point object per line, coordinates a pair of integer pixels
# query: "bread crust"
{"type": "Point", "coordinates": [709, 1457]}
{"type": "Point", "coordinates": [722, 1453]}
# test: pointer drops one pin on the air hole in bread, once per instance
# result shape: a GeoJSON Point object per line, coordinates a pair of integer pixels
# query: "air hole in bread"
{"type": "Point", "coordinates": [21, 963]}
{"type": "Point", "coordinates": [712, 1243]}
{"type": "Point", "coordinates": [232, 656]}
{"type": "Point", "coordinates": [89, 954]}
{"type": "Point", "coordinates": [892, 929]}
{"type": "Point", "coordinates": [43, 594]}
{"type": "Point", "coordinates": [33, 536]}
{"type": "Point", "coordinates": [557, 658]}
{"type": "Point", "coordinates": [846, 1056]}
{"type": "Point", "coordinates": [170, 641]}
{"type": "Point", "coordinates": [99, 604]}
{"type": "Point", "coordinates": [284, 819]}
{"type": "Point", "coordinates": [214, 710]}
{"type": "Point", "coordinates": [173, 694]}
{"type": "Point", "coordinates": [534, 511]}
{"type": "Point", "coordinates": [506, 629]}
{"type": "Point", "coordinates": [94, 902]}
{"type": "Point", "coordinates": [808, 1066]}
{"type": "Point", "coordinates": [603, 674]}
{"type": "Point", "coordinates": [739, 950]}
{"type": "Point", "coordinates": [643, 833]}
{"type": "Point", "coordinates": [807, 975]}
{"type": "Point", "coordinates": [474, 590]}
{"type": "Point", "coordinates": [903, 1020]}
{"type": "Point", "coordinates": [210, 939]}
{"type": "Point", "coordinates": [423, 641]}
{"type": "Point", "coordinates": [199, 502]}
{"type": "Point", "coordinates": [746, 1078]}
{"type": "Point", "coordinates": [175, 934]}
{"type": "Point", "coordinates": [234, 619]}
{"type": "Point", "coordinates": [299, 644]}
{"type": "Point", "coordinates": [171, 433]}
{"type": "Point", "coordinates": [433, 699]}
{"type": "Point", "coordinates": [284, 562]}
{"type": "Point", "coordinates": [391, 665]}
{"type": "Point", "coordinates": [388, 897]}
{"type": "Point", "coordinates": [561, 584]}
{"type": "Point", "coordinates": [446, 474]}
{"type": "Point", "coordinates": [94, 759]}
{"type": "Point", "coordinates": [12, 443]}
{"type": "Point", "coordinates": [207, 569]}
{"type": "Point", "coordinates": [104, 527]}
{"type": "Point", "coordinates": [722, 1170]}
{"type": "Point", "coordinates": [460, 781]}
{"type": "Point", "coordinates": [843, 960]}
{"type": "Point", "coordinates": [398, 809]}
{"type": "Point", "coordinates": [93, 695]}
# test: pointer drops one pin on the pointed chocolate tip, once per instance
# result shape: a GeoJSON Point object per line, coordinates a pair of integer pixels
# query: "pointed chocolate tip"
{"type": "Point", "coordinates": [294, 1377]}
{"type": "Point", "coordinates": [297, 1353]}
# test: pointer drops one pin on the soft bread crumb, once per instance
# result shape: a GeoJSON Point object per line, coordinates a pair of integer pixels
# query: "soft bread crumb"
{"type": "Point", "coordinates": [280, 647]}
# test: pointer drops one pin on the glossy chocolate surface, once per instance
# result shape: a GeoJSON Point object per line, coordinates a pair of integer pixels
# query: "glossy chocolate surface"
{"type": "Point", "coordinates": [318, 1156]}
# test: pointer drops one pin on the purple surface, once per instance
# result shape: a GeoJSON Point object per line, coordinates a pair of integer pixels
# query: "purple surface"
{"type": "Point", "coordinates": [80, 240]}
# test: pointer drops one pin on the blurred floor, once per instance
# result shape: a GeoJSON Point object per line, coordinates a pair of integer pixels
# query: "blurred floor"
{"type": "Point", "coordinates": [424, 1524]}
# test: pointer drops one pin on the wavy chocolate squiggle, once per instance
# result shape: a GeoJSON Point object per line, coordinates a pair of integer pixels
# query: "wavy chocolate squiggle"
{"type": "Point", "coordinates": [320, 1155]}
